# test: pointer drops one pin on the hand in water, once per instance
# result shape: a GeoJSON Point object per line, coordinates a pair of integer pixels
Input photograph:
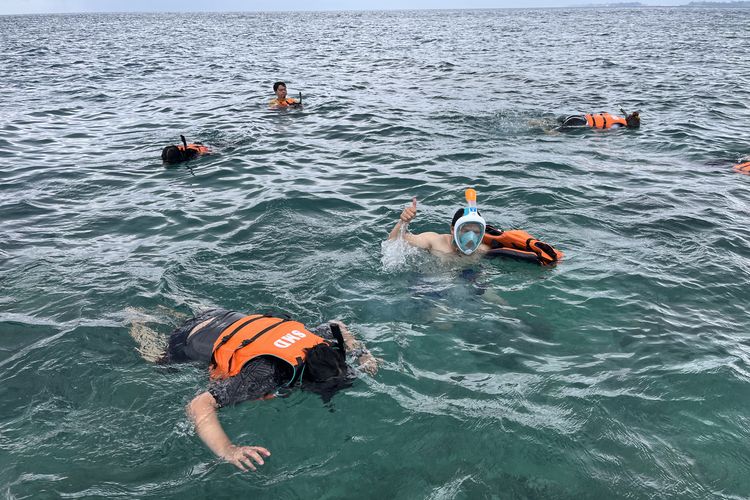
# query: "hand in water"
{"type": "Point", "coordinates": [409, 212]}
{"type": "Point", "coordinates": [242, 456]}
{"type": "Point", "coordinates": [369, 363]}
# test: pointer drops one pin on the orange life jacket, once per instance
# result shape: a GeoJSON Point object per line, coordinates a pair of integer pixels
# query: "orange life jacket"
{"type": "Point", "coordinates": [604, 120]}
{"type": "Point", "coordinates": [260, 335]}
{"type": "Point", "coordinates": [520, 244]}
{"type": "Point", "coordinates": [282, 104]}
{"type": "Point", "coordinates": [200, 148]}
{"type": "Point", "coordinates": [743, 168]}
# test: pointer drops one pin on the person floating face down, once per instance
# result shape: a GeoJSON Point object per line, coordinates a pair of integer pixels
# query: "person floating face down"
{"type": "Point", "coordinates": [178, 154]}
{"type": "Point", "coordinates": [464, 240]}
{"type": "Point", "coordinates": [281, 100]}
{"type": "Point", "coordinates": [253, 357]}
{"type": "Point", "coordinates": [602, 120]}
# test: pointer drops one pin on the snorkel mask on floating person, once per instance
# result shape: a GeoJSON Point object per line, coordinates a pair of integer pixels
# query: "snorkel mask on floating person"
{"type": "Point", "coordinates": [468, 230]}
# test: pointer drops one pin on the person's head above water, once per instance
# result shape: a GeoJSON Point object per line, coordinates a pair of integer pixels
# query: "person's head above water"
{"type": "Point", "coordinates": [280, 89]}
{"type": "Point", "coordinates": [467, 229]}
{"type": "Point", "coordinates": [468, 225]}
{"type": "Point", "coordinates": [633, 120]}
{"type": "Point", "coordinates": [172, 154]}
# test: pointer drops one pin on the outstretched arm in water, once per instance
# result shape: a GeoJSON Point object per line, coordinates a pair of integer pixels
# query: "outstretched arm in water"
{"type": "Point", "coordinates": [202, 411]}
{"type": "Point", "coordinates": [365, 359]}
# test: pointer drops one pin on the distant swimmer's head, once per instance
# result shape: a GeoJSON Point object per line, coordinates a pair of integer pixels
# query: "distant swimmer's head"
{"type": "Point", "coordinates": [280, 89]}
{"type": "Point", "coordinates": [172, 154]}
{"type": "Point", "coordinates": [325, 370]}
{"type": "Point", "coordinates": [467, 228]}
{"type": "Point", "coordinates": [633, 120]}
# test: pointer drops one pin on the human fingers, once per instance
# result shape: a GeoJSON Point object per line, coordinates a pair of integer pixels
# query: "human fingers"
{"type": "Point", "coordinates": [414, 203]}
{"type": "Point", "coordinates": [251, 453]}
{"type": "Point", "coordinates": [237, 463]}
{"type": "Point", "coordinates": [408, 214]}
{"type": "Point", "coordinates": [262, 450]}
{"type": "Point", "coordinates": [247, 463]}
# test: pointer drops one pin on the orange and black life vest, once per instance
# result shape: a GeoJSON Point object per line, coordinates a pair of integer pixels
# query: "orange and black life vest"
{"type": "Point", "coordinates": [521, 245]}
{"type": "Point", "coordinates": [283, 103]}
{"type": "Point", "coordinates": [199, 149]}
{"type": "Point", "coordinates": [743, 168]}
{"type": "Point", "coordinates": [260, 335]}
{"type": "Point", "coordinates": [604, 120]}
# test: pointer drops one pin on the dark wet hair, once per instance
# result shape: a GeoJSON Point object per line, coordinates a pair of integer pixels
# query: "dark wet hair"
{"type": "Point", "coordinates": [460, 213]}
{"type": "Point", "coordinates": [326, 371]}
{"type": "Point", "coordinates": [277, 85]}
{"type": "Point", "coordinates": [172, 154]}
{"type": "Point", "coordinates": [633, 120]}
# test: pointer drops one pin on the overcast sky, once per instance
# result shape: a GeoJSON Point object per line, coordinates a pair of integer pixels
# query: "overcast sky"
{"type": "Point", "coordinates": [62, 6]}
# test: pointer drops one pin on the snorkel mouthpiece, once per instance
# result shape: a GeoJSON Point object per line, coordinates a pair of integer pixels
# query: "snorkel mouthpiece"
{"type": "Point", "coordinates": [469, 229]}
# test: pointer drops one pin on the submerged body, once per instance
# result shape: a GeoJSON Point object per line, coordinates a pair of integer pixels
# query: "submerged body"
{"type": "Point", "coordinates": [184, 152]}
{"type": "Point", "coordinates": [253, 357]}
{"type": "Point", "coordinates": [601, 121]}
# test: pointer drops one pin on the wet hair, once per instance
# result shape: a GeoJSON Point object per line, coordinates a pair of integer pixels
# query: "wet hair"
{"type": "Point", "coordinates": [460, 213]}
{"type": "Point", "coordinates": [633, 120]}
{"type": "Point", "coordinates": [326, 371]}
{"type": "Point", "coordinates": [173, 154]}
{"type": "Point", "coordinates": [277, 85]}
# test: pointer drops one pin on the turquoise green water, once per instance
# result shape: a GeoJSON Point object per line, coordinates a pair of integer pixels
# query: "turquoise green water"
{"type": "Point", "coordinates": [621, 373]}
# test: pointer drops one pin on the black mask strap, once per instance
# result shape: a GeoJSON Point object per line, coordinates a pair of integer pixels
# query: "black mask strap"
{"type": "Point", "coordinates": [185, 155]}
{"type": "Point", "coordinates": [336, 331]}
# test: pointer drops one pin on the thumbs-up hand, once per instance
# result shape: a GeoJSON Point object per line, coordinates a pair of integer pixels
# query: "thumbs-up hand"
{"type": "Point", "coordinates": [409, 212]}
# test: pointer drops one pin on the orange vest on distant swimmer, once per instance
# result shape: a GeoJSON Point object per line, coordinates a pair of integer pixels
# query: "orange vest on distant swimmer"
{"type": "Point", "coordinates": [200, 148]}
{"type": "Point", "coordinates": [743, 168]}
{"type": "Point", "coordinates": [286, 102]}
{"type": "Point", "coordinates": [260, 335]}
{"type": "Point", "coordinates": [521, 245]}
{"type": "Point", "coordinates": [604, 120]}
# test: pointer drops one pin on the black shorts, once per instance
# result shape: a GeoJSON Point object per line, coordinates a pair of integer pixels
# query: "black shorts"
{"type": "Point", "coordinates": [199, 346]}
{"type": "Point", "coordinates": [575, 121]}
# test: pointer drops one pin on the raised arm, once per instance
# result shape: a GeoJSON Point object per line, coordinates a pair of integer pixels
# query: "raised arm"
{"type": "Point", "coordinates": [202, 411]}
{"type": "Point", "coordinates": [422, 240]}
{"type": "Point", "coordinates": [406, 216]}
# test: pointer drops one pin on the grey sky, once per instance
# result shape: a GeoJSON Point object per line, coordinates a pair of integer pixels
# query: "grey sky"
{"type": "Point", "coordinates": [63, 6]}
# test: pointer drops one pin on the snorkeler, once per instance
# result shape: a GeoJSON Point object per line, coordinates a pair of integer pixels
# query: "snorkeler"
{"type": "Point", "coordinates": [471, 236]}
{"type": "Point", "coordinates": [465, 238]}
{"type": "Point", "coordinates": [602, 120]}
{"type": "Point", "coordinates": [281, 100]}
{"type": "Point", "coordinates": [253, 358]}
{"type": "Point", "coordinates": [178, 154]}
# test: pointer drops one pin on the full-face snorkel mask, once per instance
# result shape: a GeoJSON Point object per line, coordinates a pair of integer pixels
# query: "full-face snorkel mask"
{"type": "Point", "coordinates": [469, 229]}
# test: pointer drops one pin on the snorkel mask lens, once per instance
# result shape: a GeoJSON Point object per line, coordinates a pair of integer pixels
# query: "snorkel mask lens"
{"type": "Point", "coordinates": [469, 236]}
{"type": "Point", "coordinates": [469, 229]}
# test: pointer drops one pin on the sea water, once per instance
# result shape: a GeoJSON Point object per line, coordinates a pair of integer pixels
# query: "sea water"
{"type": "Point", "coordinates": [623, 372]}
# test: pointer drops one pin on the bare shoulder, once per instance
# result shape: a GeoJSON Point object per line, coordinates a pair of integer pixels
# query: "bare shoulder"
{"type": "Point", "coordinates": [420, 240]}
{"type": "Point", "coordinates": [434, 242]}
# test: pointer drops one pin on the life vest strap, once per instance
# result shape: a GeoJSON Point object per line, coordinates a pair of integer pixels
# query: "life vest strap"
{"type": "Point", "coordinates": [249, 341]}
{"type": "Point", "coordinates": [226, 338]}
